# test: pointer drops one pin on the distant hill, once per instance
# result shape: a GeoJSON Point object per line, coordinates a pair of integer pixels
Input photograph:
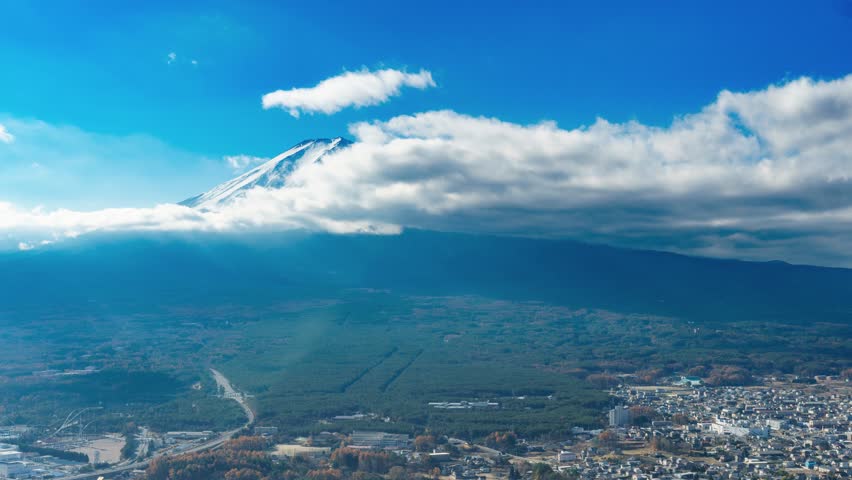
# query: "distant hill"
{"type": "Point", "coordinates": [264, 267]}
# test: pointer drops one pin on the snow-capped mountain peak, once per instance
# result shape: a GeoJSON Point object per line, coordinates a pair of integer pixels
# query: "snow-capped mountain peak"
{"type": "Point", "coordinates": [272, 174]}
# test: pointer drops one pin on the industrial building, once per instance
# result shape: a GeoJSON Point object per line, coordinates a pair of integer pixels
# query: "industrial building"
{"type": "Point", "coordinates": [379, 440]}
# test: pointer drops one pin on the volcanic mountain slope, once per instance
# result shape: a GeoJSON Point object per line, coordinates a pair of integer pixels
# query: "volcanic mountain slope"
{"type": "Point", "coordinates": [272, 174]}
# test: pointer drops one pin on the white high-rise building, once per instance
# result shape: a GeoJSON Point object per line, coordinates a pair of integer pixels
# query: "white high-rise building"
{"type": "Point", "coordinates": [619, 416]}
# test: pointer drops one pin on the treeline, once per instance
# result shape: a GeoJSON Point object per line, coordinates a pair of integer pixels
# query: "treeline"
{"type": "Point", "coordinates": [365, 461]}
{"type": "Point", "coordinates": [193, 411]}
{"type": "Point", "coordinates": [63, 454]}
{"type": "Point", "coordinates": [242, 458]}
{"type": "Point", "coordinates": [246, 458]}
{"type": "Point", "coordinates": [503, 441]}
{"type": "Point", "coordinates": [130, 441]}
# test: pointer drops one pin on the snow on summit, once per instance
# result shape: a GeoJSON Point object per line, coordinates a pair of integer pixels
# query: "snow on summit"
{"type": "Point", "coordinates": [272, 174]}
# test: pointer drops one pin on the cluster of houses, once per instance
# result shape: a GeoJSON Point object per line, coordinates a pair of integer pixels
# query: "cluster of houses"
{"type": "Point", "coordinates": [470, 467]}
{"type": "Point", "coordinates": [781, 429]}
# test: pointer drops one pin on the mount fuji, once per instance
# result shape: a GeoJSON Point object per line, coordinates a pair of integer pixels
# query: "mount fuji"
{"type": "Point", "coordinates": [272, 174]}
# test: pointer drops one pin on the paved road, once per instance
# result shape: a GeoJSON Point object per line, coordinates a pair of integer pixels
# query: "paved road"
{"type": "Point", "coordinates": [230, 392]}
{"type": "Point", "coordinates": [223, 382]}
{"type": "Point", "coordinates": [486, 450]}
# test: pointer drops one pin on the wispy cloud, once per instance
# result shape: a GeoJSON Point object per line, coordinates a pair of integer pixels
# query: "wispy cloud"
{"type": "Point", "coordinates": [351, 89]}
{"type": "Point", "coordinates": [760, 175]}
{"type": "Point", "coordinates": [238, 163]}
{"type": "Point", "coordinates": [172, 58]}
{"type": "Point", "coordinates": [5, 136]}
{"type": "Point", "coordinates": [25, 246]}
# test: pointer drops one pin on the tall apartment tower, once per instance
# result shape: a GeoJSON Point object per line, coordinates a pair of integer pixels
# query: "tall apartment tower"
{"type": "Point", "coordinates": [619, 416]}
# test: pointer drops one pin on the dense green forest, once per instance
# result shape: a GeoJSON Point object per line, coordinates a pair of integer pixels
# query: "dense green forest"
{"type": "Point", "coordinates": [383, 354]}
{"type": "Point", "coordinates": [309, 359]}
{"type": "Point", "coordinates": [129, 328]}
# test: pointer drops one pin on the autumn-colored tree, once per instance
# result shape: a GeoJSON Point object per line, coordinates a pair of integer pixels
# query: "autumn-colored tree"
{"type": "Point", "coordinates": [649, 376]}
{"type": "Point", "coordinates": [352, 459]}
{"type": "Point", "coordinates": [680, 419]}
{"type": "Point", "coordinates": [325, 474]}
{"type": "Point", "coordinates": [424, 443]}
{"type": "Point", "coordinates": [501, 440]}
{"type": "Point", "coordinates": [243, 474]}
{"type": "Point", "coordinates": [642, 415]}
{"type": "Point", "coordinates": [397, 473]}
{"type": "Point", "coordinates": [374, 462]}
{"type": "Point", "coordinates": [248, 444]}
{"type": "Point", "coordinates": [726, 375]}
{"type": "Point", "coordinates": [608, 439]}
{"type": "Point", "coordinates": [602, 380]}
{"type": "Point", "coordinates": [236, 460]}
{"type": "Point", "coordinates": [345, 458]}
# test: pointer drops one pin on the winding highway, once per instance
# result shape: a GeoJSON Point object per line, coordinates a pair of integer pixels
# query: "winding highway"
{"type": "Point", "coordinates": [228, 392]}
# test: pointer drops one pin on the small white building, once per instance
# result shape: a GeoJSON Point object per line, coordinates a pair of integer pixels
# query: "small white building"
{"type": "Point", "coordinates": [776, 424]}
{"type": "Point", "coordinates": [565, 456]}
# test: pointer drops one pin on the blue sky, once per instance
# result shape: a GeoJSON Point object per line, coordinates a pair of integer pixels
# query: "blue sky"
{"type": "Point", "coordinates": [102, 66]}
{"type": "Point", "coordinates": [96, 76]}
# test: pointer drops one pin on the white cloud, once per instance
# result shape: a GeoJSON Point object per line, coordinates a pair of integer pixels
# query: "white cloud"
{"type": "Point", "coordinates": [238, 163]}
{"type": "Point", "coordinates": [171, 58]}
{"type": "Point", "coordinates": [350, 89]}
{"type": "Point", "coordinates": [5, 136]}
{"type": "Point", "coordinates": [760, 175]}
{"type": "Point", "coordinates": [63, 223]}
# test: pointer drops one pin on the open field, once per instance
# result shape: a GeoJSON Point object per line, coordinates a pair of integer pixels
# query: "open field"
{"type": "Point", "coordinates": [103, 450]}
{"type": "Point", "coordinates": [292, 450]}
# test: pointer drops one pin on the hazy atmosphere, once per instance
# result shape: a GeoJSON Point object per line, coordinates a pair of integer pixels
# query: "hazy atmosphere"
{"type": "Point", "coordinates": [430, 241]}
